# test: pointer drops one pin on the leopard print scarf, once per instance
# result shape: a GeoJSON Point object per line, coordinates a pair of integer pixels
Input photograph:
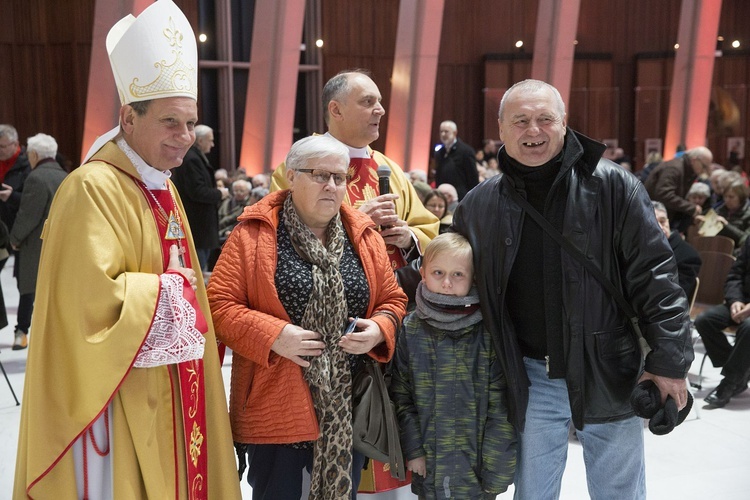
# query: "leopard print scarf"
{"type": "Point", "coordinates": [329, 375]}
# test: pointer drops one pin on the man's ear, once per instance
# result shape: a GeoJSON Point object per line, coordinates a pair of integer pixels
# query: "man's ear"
{"type": "Point", "coordinates": [334, 109]}
{"type": "Point", "coordinates": [127, 117]}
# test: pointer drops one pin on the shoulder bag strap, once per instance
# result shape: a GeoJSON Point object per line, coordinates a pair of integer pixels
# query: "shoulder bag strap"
{"type": "Point", "coordinates": [576, 254]}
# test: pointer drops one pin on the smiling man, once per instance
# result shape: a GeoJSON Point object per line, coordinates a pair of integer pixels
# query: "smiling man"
{"type": "Point", "coordinates": [119, 400]}
{"type": "Point", "coordinates": [566, 347]}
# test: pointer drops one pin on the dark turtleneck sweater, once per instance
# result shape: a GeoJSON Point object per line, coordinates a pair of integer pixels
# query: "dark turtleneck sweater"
{"type": "Point", "coordinates": [534, 293]}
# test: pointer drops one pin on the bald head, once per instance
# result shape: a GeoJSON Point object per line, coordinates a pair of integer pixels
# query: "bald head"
{"type": "Point", "coordinates": [700, 159]}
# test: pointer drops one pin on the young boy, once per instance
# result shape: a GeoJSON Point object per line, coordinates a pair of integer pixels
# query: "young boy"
{"type": "Point", "coordinates": [448, 387]}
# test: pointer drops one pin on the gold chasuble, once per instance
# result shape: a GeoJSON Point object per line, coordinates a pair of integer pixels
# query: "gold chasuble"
{"type": "Point", "coordinates": [103, 251]}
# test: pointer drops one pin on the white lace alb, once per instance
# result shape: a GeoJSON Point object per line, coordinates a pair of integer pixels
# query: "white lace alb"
{"type": "Point", "coordinates": [173, 337]}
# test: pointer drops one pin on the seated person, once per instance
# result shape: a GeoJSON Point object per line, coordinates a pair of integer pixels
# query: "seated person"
{"type": "Point", "coordinates": [734, 213]}
{"type": "Point", "coordinates": [450, 194]}
{"type": "Point", "coordinates": [233, 206]}
{"type": "Point", "coordinates": [688, 260]}
{"type": "Point", "coordinates": [437, 203]}
{"type": "Point", "coordinates": [422, 189]}
{"type": "Point", "coordinates": [734, 360]}
{"type": "Point", "coordinates": [700, 194]}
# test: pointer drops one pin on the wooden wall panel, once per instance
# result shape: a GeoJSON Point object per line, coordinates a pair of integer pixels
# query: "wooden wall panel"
{"type": "Point", "coordinates": [731, 73]}
{"type": "Point", "coordinates": [362, 34]}
{"type": "Point", "coordinates": [499, 75]}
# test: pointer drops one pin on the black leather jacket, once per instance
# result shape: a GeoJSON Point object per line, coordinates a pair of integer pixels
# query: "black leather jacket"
{"type": "Point", "coordinates": [609, 217]}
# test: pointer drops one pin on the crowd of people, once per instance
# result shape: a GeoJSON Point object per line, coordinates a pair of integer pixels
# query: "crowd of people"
{"type": "Point", "coordinates": [151, 261]}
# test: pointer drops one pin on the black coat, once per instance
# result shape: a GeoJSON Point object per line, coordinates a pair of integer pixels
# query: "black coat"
{"type": "Point", "coordinates": [688, 262]}
{"type": "Point", "coordinates": [39, 190]}
{"type": "Point", "coordinates": [15, 178]}
{"type": "Point", "coordinates": [737, 286]}
{"type": "Point", "coordinates": [194, 180]}
{"type": "Point", "coordinates": [609, 217]}
{"type": "Point", "coordinates": [457, 166]}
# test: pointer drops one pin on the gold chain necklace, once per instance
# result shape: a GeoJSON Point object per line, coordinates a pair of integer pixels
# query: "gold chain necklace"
{"type": "Point", "coordinates": [173, 221]}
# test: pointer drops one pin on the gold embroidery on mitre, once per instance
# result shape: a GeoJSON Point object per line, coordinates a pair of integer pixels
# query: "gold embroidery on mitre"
{"type": "Point", "coordinates": [177, 76]}
{"type": "Point", "coordinates": [196, 441]}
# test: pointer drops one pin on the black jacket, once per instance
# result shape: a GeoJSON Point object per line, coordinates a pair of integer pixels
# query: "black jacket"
{"type": "Point", "coordinates": [457, 166]}
{"type": "Point", "coordinates": [609, 217]}
{"type": "Point", "coordinates": [737, 286]}
{"type": "Point", "coordinates": [688, 262]}
{"type": "Point", "coordinates": [194, 180]}
{"type": "Point", "coordinates": [15, 178]}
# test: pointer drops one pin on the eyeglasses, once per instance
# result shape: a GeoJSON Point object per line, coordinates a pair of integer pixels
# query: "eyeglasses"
{"type": "Point", "coordinates": [8, 145]}
{"type": "Point", "coordinates": [321, 176]}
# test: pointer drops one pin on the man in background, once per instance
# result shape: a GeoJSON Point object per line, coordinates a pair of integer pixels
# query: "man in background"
{"type": "Point", "coordinates": [455, 161]}
{"type": "Point", "coordinates": [26, 236]}
{"type": "Point", "coordinates": [670, 181]}
{"type": "Point", "coordinates": [14, 168]}
{"type": "Point", "coordinates": [735, 311]}
{"type": "Point", "coordinates": [195, 182]}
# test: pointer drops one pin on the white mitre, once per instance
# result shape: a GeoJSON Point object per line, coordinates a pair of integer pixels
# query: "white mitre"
{"type": "Point", "coordinates": [153, 56]}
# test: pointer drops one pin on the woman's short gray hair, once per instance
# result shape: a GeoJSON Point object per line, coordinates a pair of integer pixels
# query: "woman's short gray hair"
{"type": "Point", "coordinates": [43, 145]}
{"type": "Point", "coordinates": [699, 188]}
{"type": "Point", "coordinates": [313, 148]}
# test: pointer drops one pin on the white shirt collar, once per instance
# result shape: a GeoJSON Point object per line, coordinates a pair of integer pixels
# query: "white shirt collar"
{"type": "Point", "coordinates": [151, 177]}
{"type": "Point", "coordinates": [354, 152]}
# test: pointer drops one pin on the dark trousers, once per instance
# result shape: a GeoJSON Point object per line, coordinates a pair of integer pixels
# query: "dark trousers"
{"type": "Point", "coordinates": [203, 254]}
{"type": "Point", "coordinates": [735, 360]}
{"type": "Point", "coordinates": [25, 309]}
{"type": "Point", "coordinates": [275, 471]}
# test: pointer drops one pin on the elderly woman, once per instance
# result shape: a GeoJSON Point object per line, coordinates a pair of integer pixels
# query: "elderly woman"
{"type": "Point", "coordinates": [295, 270]}
{"type": "Point", "coordinates": [734, 213]}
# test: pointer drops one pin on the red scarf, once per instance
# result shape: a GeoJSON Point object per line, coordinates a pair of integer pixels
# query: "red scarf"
{"type": "Point", "coordinates": [192, 387]}
{"type": "Point", "coordinates": [6, 165]}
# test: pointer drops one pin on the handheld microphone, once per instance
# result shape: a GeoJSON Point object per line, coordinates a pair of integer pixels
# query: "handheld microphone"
{"type": "Point", "coordinates": [384, 179]}
{"type": "Point", "coordinates": [384, 182]}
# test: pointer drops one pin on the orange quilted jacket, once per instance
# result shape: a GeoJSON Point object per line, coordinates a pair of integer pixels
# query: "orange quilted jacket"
{"type": "Point", "coordinates": [269, 400]}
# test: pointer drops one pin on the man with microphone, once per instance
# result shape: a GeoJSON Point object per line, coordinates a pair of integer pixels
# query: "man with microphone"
{"type": "Point", "coordinates": [352, 110]}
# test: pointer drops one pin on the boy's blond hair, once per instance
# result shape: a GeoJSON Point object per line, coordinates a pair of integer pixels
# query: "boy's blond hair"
{"type": "Point", "coordinates": [450, 243]}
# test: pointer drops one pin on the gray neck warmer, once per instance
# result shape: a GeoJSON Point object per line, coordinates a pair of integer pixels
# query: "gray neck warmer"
{"type": "Point", "coordinates": [448, 312]}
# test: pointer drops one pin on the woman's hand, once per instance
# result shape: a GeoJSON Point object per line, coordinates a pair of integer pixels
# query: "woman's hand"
{"type": "Point", "coordinates": [366, 335]}
{"type": "Point", "coordinates": [417, 466]}
{"type": "Point", "coordinates": [294, 342]}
